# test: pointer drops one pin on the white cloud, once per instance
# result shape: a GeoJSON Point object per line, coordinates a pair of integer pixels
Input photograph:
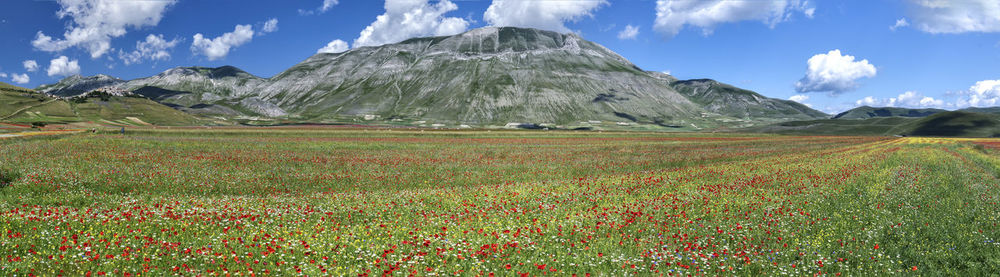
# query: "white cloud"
{"type": "Point", "coordinates": [630, 32]}
{"type": "Point", "coordinates": [96, 22]}
{"type": "Point", "coordinates": [799, 98]}
{"type": "Point", "coordinates": [20, 78]}
{"type": "Point", "coordinates": [30, 65]}
{"type": "Point", "coordinates": [673, 15]}
{"type": "Point", "coordinates": [908, 99]}
{"type": "Point", "coordinates": [900, 23]}
{"type": "Point", "coordinates": [548, 15]}
{"type": "Point", "coordinates": [62, 66]}
{"type": "Point", "coordinates": [984, 93]}
{"type": "Point", "coordinates": [219, 47]}
{"type": "Point", "coordinates": [335, 46]}
{"type": "Point", "coordinates": [404, 19]}
{"type": "Point", "coordinates": [869, 101]}
{"type": "Point", "coordinates": [270, 26]}
{"type": "Point", "coordinates": [3, 75]}
{"type": "Point", "coordinates": [154, 48]}
{"type": "Point", "coordinates": [327, 5]}
{"type": "Point", "coordinates": [833, 72]}
{"type": "Point", "coordinates": [946, 16]}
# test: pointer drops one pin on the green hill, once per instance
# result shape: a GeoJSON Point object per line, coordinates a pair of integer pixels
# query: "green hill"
{"type": "Point", "coordinates": [943, 124]}
{"type": "Point", "coordinates": [870, 112]}
{"type": "Point", "coordinates": [19, 105]}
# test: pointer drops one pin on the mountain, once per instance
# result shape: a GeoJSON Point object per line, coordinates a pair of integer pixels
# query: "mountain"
{"type": "Point", "coordinates": [740, 103]}
{"type": "Point", "coordinates": [225, 90]}
{"type": "Point", "coordinates": [76, 85]}
{"type": "Point", "coordinates": [870, 112]}
{"type": "Point", "coordinates": [484, 77]}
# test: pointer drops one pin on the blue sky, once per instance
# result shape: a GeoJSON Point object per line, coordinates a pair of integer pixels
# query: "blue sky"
{"type": "Point", "coordinates": [832, 55]}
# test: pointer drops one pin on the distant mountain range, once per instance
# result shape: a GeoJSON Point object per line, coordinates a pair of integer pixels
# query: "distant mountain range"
{"type": "Point", "coordinates": [484, 77]}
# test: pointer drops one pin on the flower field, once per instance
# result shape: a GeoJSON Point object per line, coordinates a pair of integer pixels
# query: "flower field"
{"type": "Point", "coordinates": [324, 202]}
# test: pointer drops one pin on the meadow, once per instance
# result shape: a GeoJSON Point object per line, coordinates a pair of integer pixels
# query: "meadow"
{"type": "Point", "coordinates": [408, 202]}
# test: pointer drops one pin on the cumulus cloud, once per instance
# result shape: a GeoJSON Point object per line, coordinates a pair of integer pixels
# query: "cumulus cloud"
{"type": "Point", "coordinates": [335, 46]}
{"type": "Point", "coordinates": [270, 26]}
{"type": "Point", "coordinates": [154, 48]}
{"type": "Point", "coordinates": [984, 93]}
{"type": "Point", "coordinates": [909, 99]}
{"type": "Point", "coordinates": [548, 15]}
{"type": "Point", "coordinates": [673, 15]}
{"type": "Point", "coordinates": [3, 75]}
{"type": "Point", "coordinates": [405, 19]}
{"type": "Point", "coordinates": [630, 32]}
{"type": "Point", "coordinates": [949, 17]}
{"type": "Point", "coordinates": [20, 78]}
{"type": "Point", "coordinates": [63, 66]}
{"type": "Point", "coordinates": [900, 23]}
{"type": "Point", "coordinates": [219, 47]}
{"type": "Point", "coordinates": [834, 73]}
{"type": "Point", "coordinates": [30, 65]}
{"type": "Point", "coordinates": [96, 22]}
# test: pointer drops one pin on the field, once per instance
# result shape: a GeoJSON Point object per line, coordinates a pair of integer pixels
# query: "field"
{"type": "Point", "coordinates": [321, 201]}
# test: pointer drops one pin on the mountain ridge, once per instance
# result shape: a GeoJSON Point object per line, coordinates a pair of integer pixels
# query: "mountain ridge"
{"type": "Point", "coordinates": [487, 77]}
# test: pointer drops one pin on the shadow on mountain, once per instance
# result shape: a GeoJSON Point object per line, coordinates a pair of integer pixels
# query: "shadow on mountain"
{"type": "Point", "coordinates": [156, 93]}
{"type": "Point", "coordinates": [953, 124]}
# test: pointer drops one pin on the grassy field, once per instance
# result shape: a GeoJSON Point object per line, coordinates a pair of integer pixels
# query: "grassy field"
{"type": "Point", "coordinates": [285, 201]}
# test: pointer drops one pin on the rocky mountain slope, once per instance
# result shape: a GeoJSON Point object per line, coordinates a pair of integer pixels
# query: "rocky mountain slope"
{"type": "Point", "coordinates": [740, 103]}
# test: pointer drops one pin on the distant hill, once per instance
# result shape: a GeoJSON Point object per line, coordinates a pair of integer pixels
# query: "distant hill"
{"type": "Point", "coordinates": [942, 124]}
{"type": "Point", "coordinates": [989, 110]}
{"type": "Point", "coordinates": [870, 112]}
{"type": "Point", "coordinates": [740, 103]}
{"type": "Point", "coordinates": [9, 87]}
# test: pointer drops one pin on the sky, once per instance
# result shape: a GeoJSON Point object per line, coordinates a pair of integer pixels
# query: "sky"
{"type": "Point", "coordinates": [830, 55]}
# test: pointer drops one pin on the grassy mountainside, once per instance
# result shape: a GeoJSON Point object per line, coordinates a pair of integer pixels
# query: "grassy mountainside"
{"type": "Point", "coordinates": [987, 110]}
{"type": "Point", "coordinates": [956, 124]}
{"type": "Point", "coordinates": [870, 112]}
{"type": "Point", "coordinates": [25, 107]}
{"type": "Point", "coordinates": [943, 124]}
{"type": "Point", "coordinates": [14, 99]}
